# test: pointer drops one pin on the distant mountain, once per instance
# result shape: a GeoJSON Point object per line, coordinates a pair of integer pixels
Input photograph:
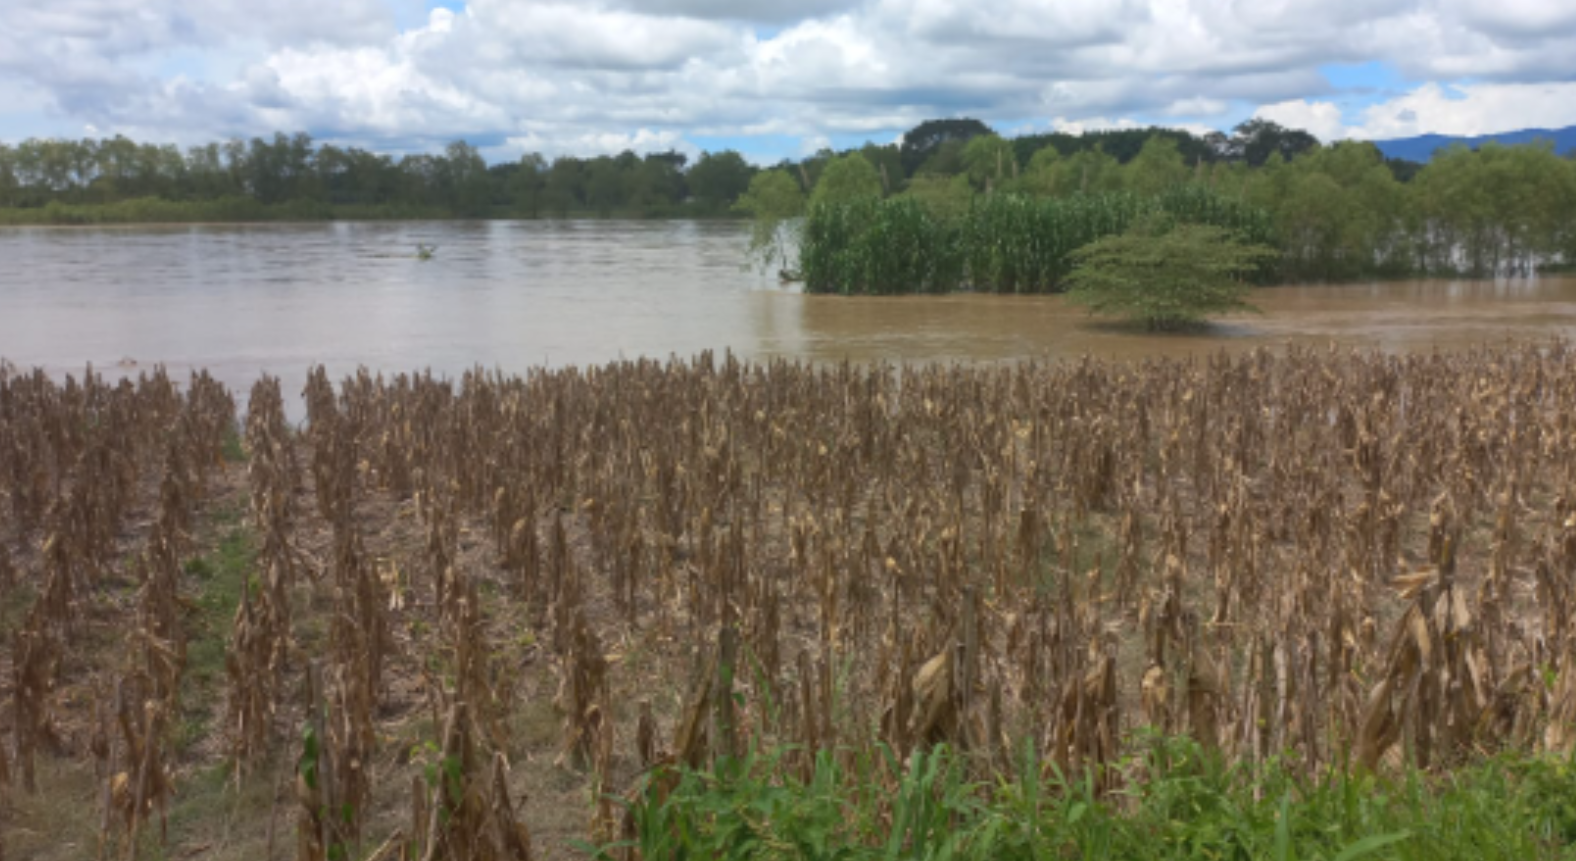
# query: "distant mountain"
{"type": "Point", "coordinates": [1422, 148]}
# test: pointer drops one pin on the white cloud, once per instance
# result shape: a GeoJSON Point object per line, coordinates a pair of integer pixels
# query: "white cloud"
{"type": "Point", "coordinates": [1477, 109]}
{"type": "Point", "coordinates": [605, 143]}
{"type": "Point", "coordinates": [1048, 25]}
{"type": "Point", "coordinates": [569, 36]}
{"type": "Point", "coordinates": [1091, 124]}
{"type": "Point", "coordinates": [1198, 106]}
{"type": "Point", "coordinates": [1100, 124]}
{"type": "Point", "coordinates": [1467, 109]}
{"type": "Point", "coordinates": [1518, 18]}
{"type": "Point", "coordinates": [1320, 119]}
{"type": "Point", "coordinates": [766, 11]}
{"type": "Point", "coordinates": [604, 75]}
{"type": "Point", "coordinates": [813, 144]}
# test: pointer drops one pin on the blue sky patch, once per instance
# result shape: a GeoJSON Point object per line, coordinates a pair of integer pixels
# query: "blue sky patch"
{"type": "Point", "coordinates": [1362, 85]}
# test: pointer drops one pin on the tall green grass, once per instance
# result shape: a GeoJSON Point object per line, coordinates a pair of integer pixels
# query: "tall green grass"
{"type": "Point", "coordinates": [1021, 244]}
{"type": "Point", "coordinates": [880, 246]}
{"type": "Point", "coordinates": [1179, 802]}
{"type": "Point", "coordinates": [1004, 243]}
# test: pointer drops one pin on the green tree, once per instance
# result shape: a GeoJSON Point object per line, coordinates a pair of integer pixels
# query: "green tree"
{"type": "Point", "coordinates": [1157, 167]}
{"type": "Point", "coordinates": [809, 170]}
{"type": "Point", "coordinates": [1043, 173]}
{"type": "Point", "coordinates": [888, 162]}
{"type": "Point", "coordinates": [776, 202]}
{"type": "Point", "coordinates": [605, 186]}
{"type": "Point", "coordinates": [989, 161]}
{"type": "Point", "coordinates": [9, 186]}
{"type": "Point", "coordinates": [657, 183]}
{"type": "Point", "coordinates": [922, 141]}
{"type": "Point", "coordinates": [717, 179]}
{"type": "Point", "coordinates": [845, 179]}
{"type": "Point", "coordinates": [1090, 172]}
{"type": "Point", "coordinates": [1496, 210]}
{"type": "Point", "coordinates": [944, 197]}
{"type": "Point", "coordinates": [1255, 140]}
{"type": "Point", "coordinates": [527, 184]}
{"type": "Point", "coordinates": [1165, 275]}
{"type": "Point", "coordinates": [1338, 213]}
{"type": "Point", "coordinates": [565, 187]}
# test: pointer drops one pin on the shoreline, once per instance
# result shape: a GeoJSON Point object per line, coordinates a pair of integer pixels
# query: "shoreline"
{"type": "Point", "coordinates": [351, 218]}
{"type": "Point", "coordinates": [310, 222]}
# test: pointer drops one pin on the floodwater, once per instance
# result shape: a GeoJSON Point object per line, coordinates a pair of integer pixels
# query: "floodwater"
{"type": "Point", "coordinates": [241, 300]}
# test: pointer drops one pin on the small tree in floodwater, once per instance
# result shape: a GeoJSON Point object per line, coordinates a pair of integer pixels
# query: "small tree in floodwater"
{"type": "Point", "coordinates": [776, 200]}
{"type": "Point", "coordinates": [1166, 275]}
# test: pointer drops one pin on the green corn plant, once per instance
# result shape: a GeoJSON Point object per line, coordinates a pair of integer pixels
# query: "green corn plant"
{"type": "Point", "coordinates": [1004, 243]}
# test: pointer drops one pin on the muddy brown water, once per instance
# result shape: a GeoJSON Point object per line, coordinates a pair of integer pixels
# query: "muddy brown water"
{"type": "Point", "coordinates": [241, 300]}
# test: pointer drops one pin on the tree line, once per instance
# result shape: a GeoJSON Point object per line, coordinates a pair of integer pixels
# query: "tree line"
{"type": "Point", "coordinates": [314, 177]}
{"type": "Point", "coordinates": [293, 174]}
{"type": "Point", "coordinates": [1339, 211]}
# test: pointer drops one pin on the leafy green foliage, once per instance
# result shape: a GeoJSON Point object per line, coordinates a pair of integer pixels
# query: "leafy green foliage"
{"type": "Point", "coordinates": [1122, 144]}
{"type": "Point", "coordinates": [921, 142]}
{"type": "Point", "coordinates": [989, 161]}
{"type": "Point", "coordinates": [311, 750]}
{"type": "Point", "coordinates": [1166, 275]}
{"type": "Point", "coordinates": [1257, 139]}
{"type": "Point", "coordinates": [288, 176]}
{"type": "Point", "coordinates": [221, 577]}
{"type": "Point", "coordinates": [1019, 244]}
{"type": "Point", "coordinates": [1339, 212]}
{"type": "Point", "coordinates": [719, 179]}
{"type": "Point", "coordinates": [847, 179]}
{"type": "Point", "coordinates": [941, 196]}
{"type": "Point", "coordinates": [1179, 803]}
{"type": "Point", "coordinates": [775, 200]}
{"type": "Point", "coordinates": [930, 241]}
{"type": "Point", "coordinates": [1157, 168]}
{"type": "Point", "coordinates": [872, 246]}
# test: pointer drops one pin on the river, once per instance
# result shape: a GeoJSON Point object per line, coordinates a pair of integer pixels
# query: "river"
{"type": "Point", "coordinates": [241, 300]}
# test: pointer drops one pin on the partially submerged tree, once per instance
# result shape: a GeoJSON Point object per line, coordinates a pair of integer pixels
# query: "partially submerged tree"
{"type": "Point", "coordinates": [775, 199]}
{"type": "Point", "coordinates": [1166, 275]}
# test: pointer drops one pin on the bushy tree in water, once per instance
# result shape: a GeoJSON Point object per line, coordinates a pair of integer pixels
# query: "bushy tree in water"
{"type": "Point", "coordinates": [775, 200]}
{"type": "Point", "coordinates": [1166, 275]}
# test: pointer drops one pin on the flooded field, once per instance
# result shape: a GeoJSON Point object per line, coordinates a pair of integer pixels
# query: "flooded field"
{"type": "Point", "coordinates": [513, 295]}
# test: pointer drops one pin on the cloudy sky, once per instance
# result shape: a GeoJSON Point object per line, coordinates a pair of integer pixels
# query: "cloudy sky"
{"type": "Point", "coordinates": [771, 78]}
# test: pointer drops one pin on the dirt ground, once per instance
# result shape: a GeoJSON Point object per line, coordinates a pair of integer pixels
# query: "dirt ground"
{"type": "Point", "coordinates": [218, 813]}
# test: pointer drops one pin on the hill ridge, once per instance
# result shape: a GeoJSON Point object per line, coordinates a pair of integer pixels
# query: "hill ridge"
{"type": "Point", "coordinates": [1423, 147]}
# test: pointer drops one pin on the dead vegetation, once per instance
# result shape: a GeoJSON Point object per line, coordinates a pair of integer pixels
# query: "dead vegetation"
{"type": "Point", "coordinates": [1346, 560]}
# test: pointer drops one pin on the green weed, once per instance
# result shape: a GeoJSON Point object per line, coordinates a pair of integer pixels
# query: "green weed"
{"type": "Point", "coordinates": [1178, 801]}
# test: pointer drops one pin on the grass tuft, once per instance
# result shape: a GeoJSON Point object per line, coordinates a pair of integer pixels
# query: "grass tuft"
{"type": "Point", "coordinates": [219, 578]}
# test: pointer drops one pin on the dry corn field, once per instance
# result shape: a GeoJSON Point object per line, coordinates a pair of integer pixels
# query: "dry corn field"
{"type": "Point", "coordinates": [471, 610]}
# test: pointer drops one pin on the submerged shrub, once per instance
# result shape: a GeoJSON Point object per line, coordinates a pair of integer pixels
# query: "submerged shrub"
{"type": "Point", "coordinates": [1166, 275]}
